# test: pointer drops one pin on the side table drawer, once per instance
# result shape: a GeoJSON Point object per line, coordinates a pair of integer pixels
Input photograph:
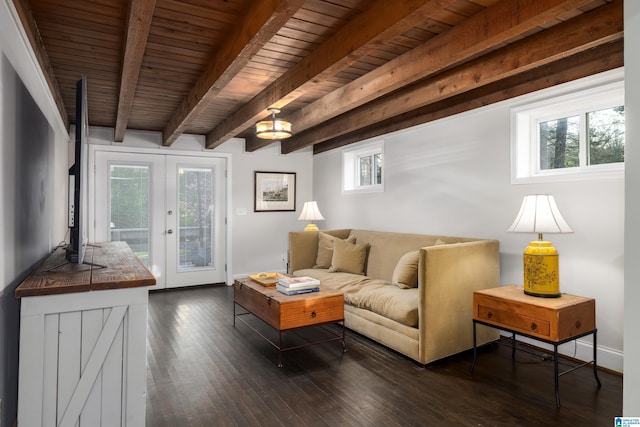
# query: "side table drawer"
{"type": "Point", "coordinates": [513, 320]}
{"type": "Point", "coordinates": [311, 311]}
{"type": "Point", "coordinates": [552, 319]}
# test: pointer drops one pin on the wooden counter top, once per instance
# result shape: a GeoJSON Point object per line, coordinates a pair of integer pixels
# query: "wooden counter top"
{"type": "Point", "coordinates": [122, 269]}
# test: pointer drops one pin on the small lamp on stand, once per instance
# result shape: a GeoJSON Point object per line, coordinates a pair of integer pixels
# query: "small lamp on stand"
{"type": "Point", "coordinates": [310, 212]}
{"type": "Point", "coordinates": [540, 214]}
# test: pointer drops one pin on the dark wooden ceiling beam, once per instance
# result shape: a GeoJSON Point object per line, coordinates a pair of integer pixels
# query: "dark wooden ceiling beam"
{"type": "Point", "coordinates": [381, 22]}
{"type": "Point", "coordinates": [261, 22]}
{"type": "Point", "coordinates": [138, 25]}
{"type": "Point", "coordinates": [31, 29]}
{"type": "Point", "coordinates": [486, 30]}
{"type": "Point", "coordinates": [600, 59]}
{"type": "Point", "coordinates": [586, 31]}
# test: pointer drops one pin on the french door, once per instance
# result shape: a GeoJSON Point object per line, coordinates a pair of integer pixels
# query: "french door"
{"type": "Point", "coordinates": [170, 209]}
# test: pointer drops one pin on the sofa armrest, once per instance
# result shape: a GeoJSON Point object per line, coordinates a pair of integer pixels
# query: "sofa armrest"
{"type": "Point", "coordinates": [447, 276]}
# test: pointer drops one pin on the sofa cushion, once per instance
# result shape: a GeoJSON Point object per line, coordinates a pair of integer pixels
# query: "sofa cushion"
{"type": "Point", "coordinates": [325, 249]}
{"type": "Point", "coordinates": [348, 257]}
{"type": "Point", "coordinates": [389, 301]}
{"type": "Point", "coordinates": [378, 296]}
{"type": "Point", "coordinates": [405, 275]}
{"type": "Point", "coordinates": [347, 283]}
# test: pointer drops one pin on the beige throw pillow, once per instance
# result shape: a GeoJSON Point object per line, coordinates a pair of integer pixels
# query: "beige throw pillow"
{"type": "Point", "coordinates": [405, 275]}
{"type": "Point", "coordinates": [325, 249]}
{"type": "Point", "coordinates": [348, 257]}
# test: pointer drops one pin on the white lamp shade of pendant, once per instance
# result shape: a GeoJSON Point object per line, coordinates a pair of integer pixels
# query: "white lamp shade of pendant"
{"type": "Point", "coordinates": [310, 212]}
{"type": "Point", "coordinates": [539, 214]}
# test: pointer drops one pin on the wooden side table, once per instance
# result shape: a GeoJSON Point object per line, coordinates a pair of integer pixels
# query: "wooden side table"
{"type": "Point", "coordinates": [553, 321]}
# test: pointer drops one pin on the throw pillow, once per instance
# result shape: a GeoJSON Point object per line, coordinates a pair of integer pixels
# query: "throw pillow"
{"type": "Point", "coordinates": [405, 275]}
{"type": "Point", "coordinates": [325, 249]}
{"type": "Point", "coordinates": [348, 257]}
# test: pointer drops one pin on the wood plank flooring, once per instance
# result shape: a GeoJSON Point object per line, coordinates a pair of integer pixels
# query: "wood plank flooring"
{"type": "Point", "coordinates": [203, 371]}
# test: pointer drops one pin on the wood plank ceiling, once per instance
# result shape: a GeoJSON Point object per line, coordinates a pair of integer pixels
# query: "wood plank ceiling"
{"type": "Point", "coordinates": [340, 70]}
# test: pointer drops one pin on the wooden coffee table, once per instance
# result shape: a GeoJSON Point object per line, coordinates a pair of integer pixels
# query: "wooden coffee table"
{"type": "Point", "coordinates": [288, 312]}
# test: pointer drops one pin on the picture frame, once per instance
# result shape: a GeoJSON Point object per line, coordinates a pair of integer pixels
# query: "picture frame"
{"type": "Point", "coordinates": [274, 191]}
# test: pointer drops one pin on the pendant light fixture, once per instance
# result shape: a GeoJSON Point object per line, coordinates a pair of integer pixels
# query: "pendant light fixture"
{"type": "Point", "coordinates": [273, 128]}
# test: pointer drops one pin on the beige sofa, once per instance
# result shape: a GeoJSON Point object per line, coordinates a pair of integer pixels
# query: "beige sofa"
{"type": "Point", "coordinates": [427, 322]}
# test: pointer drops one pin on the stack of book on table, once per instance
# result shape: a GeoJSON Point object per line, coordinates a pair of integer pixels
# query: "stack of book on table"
{"type": "Point", "coordinates": [297, 285]}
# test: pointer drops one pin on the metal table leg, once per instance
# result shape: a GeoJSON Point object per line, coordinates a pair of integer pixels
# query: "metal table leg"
{"type": "Point", "coordinates": [473, 364]}
{"type": "Point", "coordinates": [595, 357]}
{"type": "Point", "coordinates": [280, 349]}
{"type": "Point", "coordinates": [555, 374]}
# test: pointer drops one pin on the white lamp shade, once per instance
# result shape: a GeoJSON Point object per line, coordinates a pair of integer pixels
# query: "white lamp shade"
{"type": "Point", "coordinates": [310, 212]}
{"type": "Point", "coordinates": [539, 214]}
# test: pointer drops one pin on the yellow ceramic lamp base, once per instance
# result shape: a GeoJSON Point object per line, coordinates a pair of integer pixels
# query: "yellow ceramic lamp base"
{"type": "Point", "coordinates": [541, 272]}
{"type": "Point", "coordinates": [311, 227]}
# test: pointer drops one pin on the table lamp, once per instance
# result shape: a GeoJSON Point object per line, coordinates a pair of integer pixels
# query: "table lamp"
{"type": "Point", "coordinates": [540, 214]}
{"type": "Point", "coordinates": [310, 212]}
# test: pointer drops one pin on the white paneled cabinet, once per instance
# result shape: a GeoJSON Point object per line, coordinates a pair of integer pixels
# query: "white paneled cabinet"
{"type": "Point", "coordinates": [83, 357]}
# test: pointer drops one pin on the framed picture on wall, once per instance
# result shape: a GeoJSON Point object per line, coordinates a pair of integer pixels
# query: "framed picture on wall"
{"type": "Point", "coordinates": [274, 192]}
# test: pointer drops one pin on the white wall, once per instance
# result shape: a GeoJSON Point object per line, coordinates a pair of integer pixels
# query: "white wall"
{"type": "Point", "coordinates": [258, 239]}
{"type": "Point", "coordinates": [631, 399]}
{"type": "Point", "coordinates": [452, 177]}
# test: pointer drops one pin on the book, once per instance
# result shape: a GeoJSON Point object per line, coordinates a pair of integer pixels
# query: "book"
{"type": "Point", "coordinates": [298, 282]}
{"type": "Point", "coordinates": [297, 288]}
{"type": "Point", "coordinates": [289, 291]}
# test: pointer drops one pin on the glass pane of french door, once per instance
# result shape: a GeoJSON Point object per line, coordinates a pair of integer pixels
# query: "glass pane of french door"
{"type": "Point", "coordinates": [195, 208]}
{"type": "Point", "coordinates": [129, 192]}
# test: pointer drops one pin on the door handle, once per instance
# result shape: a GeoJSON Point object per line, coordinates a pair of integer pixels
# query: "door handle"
{"type": "Point", "coordinates": [169, 231]}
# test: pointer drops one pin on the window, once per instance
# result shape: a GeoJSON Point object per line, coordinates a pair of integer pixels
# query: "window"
{"type": "Point", "coordinates": [576, 135]}
{"type": "Point", "coordinates": [362, 168]}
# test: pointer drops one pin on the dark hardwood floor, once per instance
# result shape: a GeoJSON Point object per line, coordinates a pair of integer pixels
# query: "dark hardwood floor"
{"type": "Point", "coordinates": [202, 371]}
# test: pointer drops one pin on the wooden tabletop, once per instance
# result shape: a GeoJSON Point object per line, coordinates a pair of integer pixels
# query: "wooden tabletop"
{"type": "Point", "coordinates": [274, 294]}
{"type": "Point", "coordinates": [118, 267]}
{"type": "Point", "coordinates": [516, 293]}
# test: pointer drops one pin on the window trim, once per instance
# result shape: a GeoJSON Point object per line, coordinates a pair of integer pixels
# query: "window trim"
{"type": "Point", "coordinates": [556, 102]}
{"type": "Point", "coordinates": [350, 161]}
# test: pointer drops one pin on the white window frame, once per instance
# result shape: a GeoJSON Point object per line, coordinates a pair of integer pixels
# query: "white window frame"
{"type": "Point", "coordinates": [595, 93]}
{"type": "Point", "coordinates": [350, 169]}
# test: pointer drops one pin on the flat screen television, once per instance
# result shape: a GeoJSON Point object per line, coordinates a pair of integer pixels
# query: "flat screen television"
{"type": "Point", "coordinates": [78, 179]}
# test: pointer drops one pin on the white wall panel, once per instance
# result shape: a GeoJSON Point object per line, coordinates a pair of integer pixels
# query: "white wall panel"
{"type": "Point", "coordinates": [631, 385]}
